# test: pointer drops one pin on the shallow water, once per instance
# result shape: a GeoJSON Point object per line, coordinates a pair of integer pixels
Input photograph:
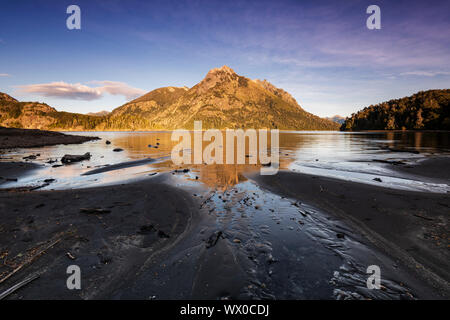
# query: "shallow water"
{"type": "Point", "coordinates": [348, 156]}
{"type": "Point", "coordinates": [287, 249]}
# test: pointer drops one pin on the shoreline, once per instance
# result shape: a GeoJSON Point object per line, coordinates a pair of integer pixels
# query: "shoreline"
{"type": "Point", "coordinates": [394, 221]}
{"type": "Point", "coordinates": [128, 236]}
{"type": "Point", "coordinates": [11, 138]}
{"type": "Point", "coordinates": [109, 232]}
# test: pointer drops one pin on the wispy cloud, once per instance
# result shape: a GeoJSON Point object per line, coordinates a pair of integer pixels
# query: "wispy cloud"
{"type": "Point", "coordinates": [425, 73]}
{"type": "Point", "coordinates": [78, 91]}
{"type": "Point", "coordinates": [119, 88]}
{"type": "Point", "coordinates": [5, 75]}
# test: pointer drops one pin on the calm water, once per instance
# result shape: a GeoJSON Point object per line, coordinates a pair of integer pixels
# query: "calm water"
{"type": "Point", "coordinates": [346, 156]}
{"type": "Point", "coordinates": [313, 262]}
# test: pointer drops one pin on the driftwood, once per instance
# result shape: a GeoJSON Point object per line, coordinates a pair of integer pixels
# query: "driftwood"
{"type": "Point", "coordinates": [28, 261]}
{"type": "Point", "coordinates": [69, 158]}
{"type": "Point", "coordinates": [19, 285]}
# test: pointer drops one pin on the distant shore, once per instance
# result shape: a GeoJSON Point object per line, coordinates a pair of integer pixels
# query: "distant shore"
{"type": "Point", "coordinates": [31, 138]}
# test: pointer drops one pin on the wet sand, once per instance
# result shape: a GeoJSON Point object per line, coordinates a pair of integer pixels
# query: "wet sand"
{"type": "Point", "coordinates": [437, 168]}
{"type": "Point", "coordinates": [27, 138]}
{"type": "Point", "coordinates": [109, 232]}
{"type": "Point", "coordinates": [410, 227]}
{"type": "Point", "coordinates": [152, 240]}
{"type": "Point", "coordinates": [10, 171]}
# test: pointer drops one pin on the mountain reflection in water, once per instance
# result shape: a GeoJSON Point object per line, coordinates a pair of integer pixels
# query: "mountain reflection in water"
{"type": "Point", "coordinates": [335, 154]}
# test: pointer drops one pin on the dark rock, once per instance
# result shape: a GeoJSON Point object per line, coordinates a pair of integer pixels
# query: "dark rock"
{"type": "Point", "coordinates": [70, 158]}
{"type": "Point", "coordinates": [377, 179]}
{"type": "Point", "coordinates": [118, 150]}
{"type": "Point", "coordinates": [162, 234]}
{"type": "Point", "coordinates": [213, 239]}
{"type": "Point", "coordinates": [108, 142]}
{"type": "Point", "coordinates": [105, 259]}
{"type": "Point", "coordinates": [181, 170]}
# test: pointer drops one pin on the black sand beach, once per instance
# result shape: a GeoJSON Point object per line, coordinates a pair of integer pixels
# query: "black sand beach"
{"type": "Point", "coordinates": [411, 227]}
{"type": "Point", "coordinates": [150, 240]}
{"type": "Point", "coordinates": [109, 232]}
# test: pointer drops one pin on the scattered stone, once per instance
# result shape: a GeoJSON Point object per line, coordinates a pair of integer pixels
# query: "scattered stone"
{"type": "Point", "coordinates": [108, 142]}
{"type": "Point", "coordinates": [162, 234]}
{"type": "Point", "coordinates": [213, 239]}
{"type": "Point", "coordinates": [377, 179]}
{"type": "Point", "coordinates": [49, 180]}
{"type": "Point", "coordinates": [30, 157]}
{"type": "Point", "coordinates": [57, 165]}
{"type": "Point", "coordinates": [70, 158]}
{"type": "Point", "coordinates": [105, 259]}
{"type": "Point", "coordinates": [118, 150]}
{"type": "Point", "coordinates": [237, 241]}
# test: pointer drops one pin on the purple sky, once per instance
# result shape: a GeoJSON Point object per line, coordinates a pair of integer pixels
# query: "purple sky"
{"type": "Point", "coordinates": [319, 51]}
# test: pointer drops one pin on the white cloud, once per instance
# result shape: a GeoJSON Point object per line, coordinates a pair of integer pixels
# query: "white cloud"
{"type": "Point", "coordinates": [78, 91]}
{"type": "Point", "coordinates": [4, 75]}
{"type": "Point", "coordinates": [119, 88]}
{"type": "Point", "coordinates": [425, 73]}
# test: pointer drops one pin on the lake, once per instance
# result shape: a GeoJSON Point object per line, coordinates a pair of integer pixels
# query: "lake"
{"type": "Point", "coordinates": [357, 157]}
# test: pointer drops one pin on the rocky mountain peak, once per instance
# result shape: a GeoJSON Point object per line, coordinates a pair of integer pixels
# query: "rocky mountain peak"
{"type": "Point", "coordinates": [216, 76]}
{"type": "Point", "coordinates": [222, 69]}
{"type": "Point", "coordinates": [5, 97]}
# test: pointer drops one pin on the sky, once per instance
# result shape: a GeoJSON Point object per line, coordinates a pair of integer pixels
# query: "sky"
{"type": "Point", "coordinates": [320, 51]}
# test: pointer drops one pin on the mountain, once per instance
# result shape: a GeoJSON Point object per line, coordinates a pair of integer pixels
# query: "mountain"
{"type": "Point", "coordinates": [337, 119]}
{"type": "Point", "coordinates": [223, 99]}
{"type": "Point", "coordinates": [98, 114]}
{"type": "Point", "coordinates": [36, 115]}
{"type": "Point", "coordinates": [426, 110]}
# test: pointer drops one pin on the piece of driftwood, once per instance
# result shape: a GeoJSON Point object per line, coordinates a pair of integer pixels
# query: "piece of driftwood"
{"type": "Point", "coordinates": [19, 285]}
{"type": "Point", "coordinates": [69, 158]}
{"type": "Point", "coordinates": [28, 261]}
